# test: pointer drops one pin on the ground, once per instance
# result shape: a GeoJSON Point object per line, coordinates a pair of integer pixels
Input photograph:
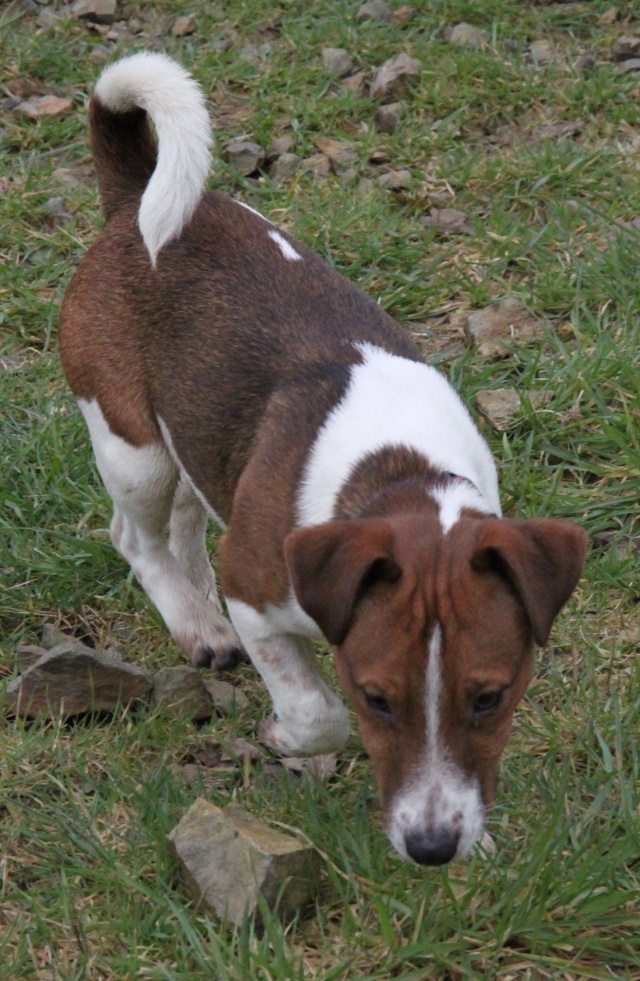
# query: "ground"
{"type": "Point", "coordinates": [531, 132]}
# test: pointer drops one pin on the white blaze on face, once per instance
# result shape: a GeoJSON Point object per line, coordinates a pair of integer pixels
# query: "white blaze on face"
{"type": "Point", "coordinates": [437, 799]}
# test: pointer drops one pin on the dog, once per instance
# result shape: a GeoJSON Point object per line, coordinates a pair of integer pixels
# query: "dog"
{"type": "Point", "coordinates": [224, 371]}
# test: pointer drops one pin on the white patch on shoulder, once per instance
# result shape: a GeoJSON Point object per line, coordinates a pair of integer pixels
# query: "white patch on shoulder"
{"type": "Point", "coordinates": [393, 401]}
{"type": "Point", "coordinates": [253, 211]}
{"type": "Point", "coordinates": [166, 435]}
{"type": "Point", "coordinates": [285, 247]}
{"type": "Point", "coordinates": [439, 799]}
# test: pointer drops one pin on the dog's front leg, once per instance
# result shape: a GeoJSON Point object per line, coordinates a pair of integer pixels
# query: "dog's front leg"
{"type": "Point", "coordinates": [308, 718]}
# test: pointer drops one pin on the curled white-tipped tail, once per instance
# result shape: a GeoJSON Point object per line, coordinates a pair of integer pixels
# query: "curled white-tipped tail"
{"type": "Point", "coordinates": [176, 105]}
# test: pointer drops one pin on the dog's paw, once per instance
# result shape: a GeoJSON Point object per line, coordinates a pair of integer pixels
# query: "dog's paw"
{"type": "Point", "coordinates": [221, 659]}
{"type": "Point", "coordinates": [296, 739]}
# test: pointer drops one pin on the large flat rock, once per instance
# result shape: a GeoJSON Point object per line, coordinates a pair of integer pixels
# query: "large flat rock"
{"type": "Point", "coordinates": [71, 679]}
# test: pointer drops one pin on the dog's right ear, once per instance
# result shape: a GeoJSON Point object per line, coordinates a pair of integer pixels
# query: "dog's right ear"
{"type": "Point", "coordinates": [333, 564]}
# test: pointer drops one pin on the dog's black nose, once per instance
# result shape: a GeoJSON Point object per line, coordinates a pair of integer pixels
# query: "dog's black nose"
{"type": "Point", "coordinates": [435, 849]}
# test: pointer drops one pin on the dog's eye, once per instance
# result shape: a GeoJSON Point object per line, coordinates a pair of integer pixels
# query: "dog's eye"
{"type": "Point", "coordinates": [377, 703]}
{"type": "Point", "coordinates": [487, 702]}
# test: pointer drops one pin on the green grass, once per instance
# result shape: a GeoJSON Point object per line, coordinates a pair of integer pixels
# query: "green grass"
{"type": "Point", "coordinates": [87, 885]}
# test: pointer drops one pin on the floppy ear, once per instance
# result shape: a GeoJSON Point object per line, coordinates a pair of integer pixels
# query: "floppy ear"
{"type": "Point", "coordinates": [541, 559]}
{"type": "Point", "coordinates": [331, 565]}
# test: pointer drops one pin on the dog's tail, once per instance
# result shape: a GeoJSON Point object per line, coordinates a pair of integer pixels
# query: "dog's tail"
{"type": "Point", "coordinates": [168, 177]}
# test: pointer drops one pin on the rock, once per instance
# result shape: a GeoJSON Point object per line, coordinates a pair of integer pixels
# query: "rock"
{"type": "Point", "coordinates": [404, 14]}
{"type": "Point", "coordinates": [56, 212]}
{"type": "Point", "coordinates": [71, 679]}
{"type": "Point", "coordinates": [245, 156]}
{"type": "Point", "coordinates": [181, 692]}
{"type": "Point", "coordinates": [227, 858]}
{"type": "Point", "coordinates": [65, 176]}
{"type": "Point", "coordinates": [281, 145]}
{"type": "Point", "coordinates": [627, 46]}
{"type": "Point", "coordinates": [97, 11]}
{"type": "Point", "coordinates": [387, 77]}
{"type": "Point", "coordinates": [540, 52]}
{"type": "Point", "coordinates": [340, 155]}
{"type": "Point", "coordinates": [28, 654]}
{"type": "Point", "coordinates": [225, 697]}
{"type": "Point", "coordinates": [52, 635]}
{"type": "Point", "coordinates": [44, 105]}
{"type": "Point", "coordinates": [318, 164]}
{"type": "Point", "coordinates": [388, 117]}
{"type": "Point", "coordinates": [448, 221]}
{"type": "Point", "coordinates": [467, 36]}
{"type": "Point", "coordinates": [395, 180]}
{"type": "Point", "coordinates": [503, 323]}
{"type": "Point", "coordinates": [499, 406]}
{"type": "Point", "coordinates": [630, 66]}
{"type": "Point", "coordinates": [284, 167]}
{"type": "Point", "coordinates": [355, 82]}
{"type": "Point", "coordinates": [184, 25]}
{"type": "Point", "coordinates": [337, 61]}
{"type": "Point", "coordinates": [374, 10]}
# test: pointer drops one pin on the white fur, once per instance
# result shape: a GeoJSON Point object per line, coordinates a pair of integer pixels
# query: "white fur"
{"type": "Point", "coordinates": [176, 104]}
{"type": "Point", "coordinates": [253, 211]}
{"type": "Point", "coordinates": [392, 401]}
{"type": "Point", "coordinates": [452, 498]}
{"type": "Point", "coordinates": [285, 247]}
{"type": "Point", "coordinates": [309, 718]}
{"type": "Point", "coordinates": [439, 799]}
{"type": "Point", "coordinates": [158, 526]}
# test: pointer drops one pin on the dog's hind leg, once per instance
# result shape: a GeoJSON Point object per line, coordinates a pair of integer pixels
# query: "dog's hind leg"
{"type": "Point", "coordinates": [187, 542]}
{"type": "Point", "coordinates": [141, 481]}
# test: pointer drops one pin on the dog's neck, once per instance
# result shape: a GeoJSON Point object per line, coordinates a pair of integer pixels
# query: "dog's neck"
{"type": "Point", "coordinates": [393, 479]}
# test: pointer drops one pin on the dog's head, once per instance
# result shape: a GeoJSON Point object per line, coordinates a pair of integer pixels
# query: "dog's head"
{"type": "Point", "coordinates": [435, 635]}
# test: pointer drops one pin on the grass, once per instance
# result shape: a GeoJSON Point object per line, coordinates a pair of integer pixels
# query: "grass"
{"type": "Point", "coordinates": [88, 888]}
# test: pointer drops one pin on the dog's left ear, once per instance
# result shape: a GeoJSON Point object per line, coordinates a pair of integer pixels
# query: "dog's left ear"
{"type": "Point", "coordinates": [332, 565]}
{"type": "Point", "coordinates": [540, 558]}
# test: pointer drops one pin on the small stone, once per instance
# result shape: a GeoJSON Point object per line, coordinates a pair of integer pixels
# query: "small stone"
{"type": "Point", "coordinates": [404, 14]}
{"type": "Point", "coordinates": [501, 324]}
{"type": "Point", "coordinates": [541, 53]}
{"type": "Point", "coordinates": [97, 11]}
{"type": "Point", "coordinates": [387, 117]}
{"type": "Point", "coordinates": [586, 62]}
{"type": "Point", "coordinates": [395, 180]}
{"type": "Point", "coordinates": [47, 18]}
{"type": "Point", "coordinates": [181, 692]}
{"type": "Point", "coordinates": [627, 46]}
{"type": "Point", "coordinates": [282, 144]}
{"type": "Point", "coordinates": [284, 167]}
{"type": "Point", "coordinates": [467, 36]}
{"type": "Point", "coordinates": [628, 67]}
{"type": "Point", "coordinates": [44, 105]}
{"type": "Point", "coordinates": [354, 83]}
{"type": "Point", "coordinates": [499, 406]}
{"type": "Point", "coordinates": [65, 176]}
{"type": "Point", "coordinates": [318, 164]}
{"type": "Point", "coordinates": [71, 679]}
{"type": "Point", "coordinates": [184, 25]}
{"type": "Point", "coordinates": [341, 155]}
{"type": "Point", "coordinates": [226, 699]}
{"type": "Point", "coordinates": [448, 221]}
{"type": "Point", "coordinates": [388, 76]}
{"type": "Point", "coordinates": [245, 156]}
{"type": "Point", "coordinates": [375, 10]}
{"type": "Point", "coordinates": [337, 61]}
{"type": "Point", "coordinates": [228, 857]}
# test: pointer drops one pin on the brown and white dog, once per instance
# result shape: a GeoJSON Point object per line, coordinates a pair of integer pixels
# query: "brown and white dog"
{"type": "Point", "coordinates": [225, 371]}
